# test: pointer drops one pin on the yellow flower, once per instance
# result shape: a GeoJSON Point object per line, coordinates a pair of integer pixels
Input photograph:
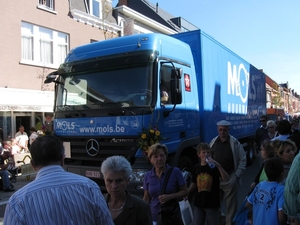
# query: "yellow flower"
{"type": "Point", "coordinates": [149, 137]}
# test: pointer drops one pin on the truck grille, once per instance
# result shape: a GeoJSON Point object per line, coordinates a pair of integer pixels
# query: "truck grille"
{"type": "Point", "coordinates": [126, 147]}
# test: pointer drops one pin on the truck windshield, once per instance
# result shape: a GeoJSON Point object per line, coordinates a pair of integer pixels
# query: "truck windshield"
{"type": "Point", "coordinates": [128, 86]}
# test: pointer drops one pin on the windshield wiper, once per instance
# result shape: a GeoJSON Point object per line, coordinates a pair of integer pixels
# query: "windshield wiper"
{"type": "Point", "coordinates": [121, 113]}
{"type": "Point", "coordinates": [110, 103]}
{"type": "Point", "coordinates": [71, 108]}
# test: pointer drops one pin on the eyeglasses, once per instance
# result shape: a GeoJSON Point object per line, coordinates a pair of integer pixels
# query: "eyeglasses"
{"type": "Point", "coordinates": [262, 121]}
{"type": "Point", "coordinates": [271, 127]}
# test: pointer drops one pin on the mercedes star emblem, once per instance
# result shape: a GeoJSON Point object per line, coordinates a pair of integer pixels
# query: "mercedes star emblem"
{"type": "Point", "coordinates": [92, 147]}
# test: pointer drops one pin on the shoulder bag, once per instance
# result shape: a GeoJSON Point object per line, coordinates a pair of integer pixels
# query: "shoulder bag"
{"type": "Point", "coordinates": [170, 213]}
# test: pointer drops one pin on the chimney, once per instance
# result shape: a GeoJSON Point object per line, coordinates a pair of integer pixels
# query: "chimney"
{"type": "Point", "coordinates": [157, 7]}
{"type": "Point", "coordinates": [123, 2]}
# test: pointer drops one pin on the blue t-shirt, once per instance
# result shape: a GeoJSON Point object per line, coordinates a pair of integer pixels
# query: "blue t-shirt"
{"type": "Point", "coordinates": [267, 199]}
{"type": "Point", "coordinates": [154, 185]}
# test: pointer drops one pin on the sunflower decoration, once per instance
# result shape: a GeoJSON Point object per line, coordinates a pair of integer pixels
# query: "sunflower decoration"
{"type": "Point", "coordinates": [149, 137]}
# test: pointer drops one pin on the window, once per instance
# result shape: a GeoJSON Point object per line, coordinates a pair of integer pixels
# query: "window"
{"type": "Point", "coordinates": [94, 7]}
{"type": "Point", "coordinates": [47, 3]}
{"type": "Point", "coordinates": [42, 46]}
{"type": "Point", "coordinates": [27, 42]}
{"type": "Point", "coordinates": [46, 46]}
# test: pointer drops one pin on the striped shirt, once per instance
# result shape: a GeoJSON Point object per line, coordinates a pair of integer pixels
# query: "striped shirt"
{"type": "Point", "coordinates": [58, 197]}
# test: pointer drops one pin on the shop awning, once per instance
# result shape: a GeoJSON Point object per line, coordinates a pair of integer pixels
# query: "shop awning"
{"type": "Point", "coordinates": [13, 99]}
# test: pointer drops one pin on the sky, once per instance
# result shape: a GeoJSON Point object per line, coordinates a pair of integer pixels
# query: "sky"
{"type": "Point", "coordinates": [266, 33]}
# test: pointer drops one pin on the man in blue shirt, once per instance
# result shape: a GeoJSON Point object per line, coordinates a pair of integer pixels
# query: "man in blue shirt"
{"type": "Point", "coordinates": [56, 196]}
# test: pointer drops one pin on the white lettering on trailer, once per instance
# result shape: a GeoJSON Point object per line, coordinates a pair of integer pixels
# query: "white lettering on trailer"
{"type": "Point", "coordinates": [64, 125]}
{"type": "Point", "coordinates": [238, 83]}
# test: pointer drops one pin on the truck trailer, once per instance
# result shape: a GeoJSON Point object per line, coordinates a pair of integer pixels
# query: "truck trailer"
{"type": "Point", "coordinates": [109, 93]}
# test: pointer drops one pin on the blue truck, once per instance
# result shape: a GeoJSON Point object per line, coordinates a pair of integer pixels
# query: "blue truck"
{"type": "Point", "coordinates": [109, 93]}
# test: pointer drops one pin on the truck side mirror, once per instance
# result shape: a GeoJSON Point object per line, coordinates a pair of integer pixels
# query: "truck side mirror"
{"type": "Point", "coordinates": [51, 77]}
{"type": "Point", "coordinates": [176, 91]}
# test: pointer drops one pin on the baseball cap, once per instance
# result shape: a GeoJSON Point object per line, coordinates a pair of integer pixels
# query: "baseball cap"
{"type": "Point", "coordinates": [223, 123]}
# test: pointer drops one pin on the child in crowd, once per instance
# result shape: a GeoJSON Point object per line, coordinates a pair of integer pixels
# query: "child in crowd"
{"type": "Point", "coordinates": [266, 200]}
{"type": "Point", "coordinates": [15, 148]}
{"type": "Point", "coordinates": [206, 180]}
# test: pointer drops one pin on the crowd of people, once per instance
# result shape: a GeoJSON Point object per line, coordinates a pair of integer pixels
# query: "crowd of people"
{"type": "Point", "coordinates": [60, 197]}
{"type": "Point", "coordinates": [19, 144]}
{"type": "Point", "coordinates": [275, 190]}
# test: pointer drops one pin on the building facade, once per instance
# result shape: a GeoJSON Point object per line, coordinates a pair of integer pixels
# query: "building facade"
{"type": "Point", "coordinates": [281, 96]}
{"type": "Point", "coordinates": [36, 35]}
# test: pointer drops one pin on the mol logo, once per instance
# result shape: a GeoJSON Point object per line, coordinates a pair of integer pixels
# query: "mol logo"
{"type": "Point", "coordinates": [238, 87]}
{"type": "Point", "coordinates": [64, 125]}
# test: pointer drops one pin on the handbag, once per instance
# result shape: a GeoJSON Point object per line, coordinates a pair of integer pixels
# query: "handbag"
{"type": "Point", "coordinates": [186, 211]}
{"type": "Point", "coordinates": [170, 213]}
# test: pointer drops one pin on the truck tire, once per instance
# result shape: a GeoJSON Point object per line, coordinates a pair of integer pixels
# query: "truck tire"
{"type": "Point", "coordinates": [250, 154]}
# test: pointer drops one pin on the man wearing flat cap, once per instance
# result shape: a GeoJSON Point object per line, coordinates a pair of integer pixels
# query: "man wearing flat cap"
{"type": "Point", "coordinates": [230, 154]}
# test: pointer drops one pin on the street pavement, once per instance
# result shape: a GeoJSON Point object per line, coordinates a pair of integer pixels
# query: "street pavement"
{"type": "Point", "coordinates": [244, 189]}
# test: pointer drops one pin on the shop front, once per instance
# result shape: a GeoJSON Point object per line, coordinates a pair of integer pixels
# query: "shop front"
{"type": "Point", "coordinates": [22, 107]}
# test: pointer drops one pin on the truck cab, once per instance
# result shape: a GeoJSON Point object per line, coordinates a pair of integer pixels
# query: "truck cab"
{"type": "Point", "coordinates": [108, 92]}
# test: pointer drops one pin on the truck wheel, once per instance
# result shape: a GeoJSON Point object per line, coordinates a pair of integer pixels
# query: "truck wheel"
{"type": "Point", "coordinates": [250, 154]}
{"type": "Point", "coordinates": [186, 165]}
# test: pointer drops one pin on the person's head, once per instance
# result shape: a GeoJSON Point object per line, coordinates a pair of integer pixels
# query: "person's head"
{"type": "Point", "coordinates": [267, 150]}
{"type": "Point", "coordinates": [116, 171]}
{"type": "Point", "coordinates": [274, 169]}
{"type": "Point", "coordinates": [286, 151]}
{"type": "Point", "coordinates": [48, 116]}
{"type": "Point", "coordinates": [157, 154]}
{"type": "Point", "coordinates": [223, 128]}
{"type": "Point", "coordinates": [271, 125]}
{"type": "Point", "coordinates": [47, 150]}
{"type": "Point", "coordinates": [32, 129]}
{"type": "Point", "coordinates": [21, 128]}
{"type": "Point", "coordinates": [6, 154]}
{"type": "Point", "coordinates": [7, 145]}
{"type": "Point", "coordinates": [263, 120]}
{"type": "Point", "coordinates": [13, 141]}
{"type": "Point", "coordinates": [164, 97]}
{"type": "Point", "coordinates": [116, 164]}
{"type": "Point", "coordinates": [296, 122]}
{"type": "Point", "coordinates": [203, 150]}
{"type": "Point", "coordinates": [276, 145]}
{"type": "Point", "coordinates": [283, 127]}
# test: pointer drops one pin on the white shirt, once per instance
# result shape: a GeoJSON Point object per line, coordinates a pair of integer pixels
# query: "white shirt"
{"type": "Point", "coordinates": [32, 137]}
{"type": "Point", "coordinates": [21, 138]}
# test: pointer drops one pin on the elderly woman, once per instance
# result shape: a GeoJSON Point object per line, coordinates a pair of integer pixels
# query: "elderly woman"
{"type": "Point", "coordinates": [176, 187]}
{"type": "Point", "coordinates": [124, 208]}
{"type": "Point", "coordinates": [286, 151]}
